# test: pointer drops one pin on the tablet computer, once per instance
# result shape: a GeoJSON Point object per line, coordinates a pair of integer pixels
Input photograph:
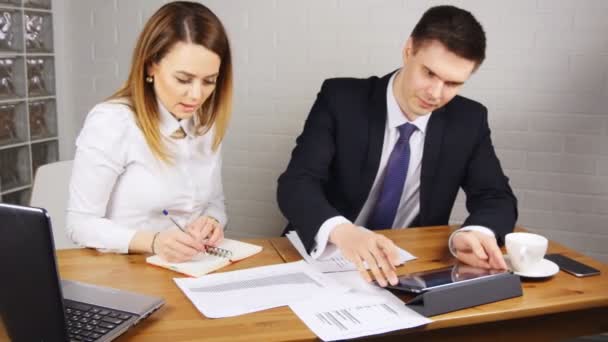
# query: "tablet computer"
{"type": "Point", "coordinates": [427, 280]}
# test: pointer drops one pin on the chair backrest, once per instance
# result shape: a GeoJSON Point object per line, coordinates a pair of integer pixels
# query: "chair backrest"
{"type": "Point", "coordinates": [50, 191]}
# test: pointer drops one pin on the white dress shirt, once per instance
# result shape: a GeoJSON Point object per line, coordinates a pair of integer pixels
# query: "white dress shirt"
{"type": "Point", "coordinates": [409, 205]}
{"type": "Point", "coordinates": [118, 187]}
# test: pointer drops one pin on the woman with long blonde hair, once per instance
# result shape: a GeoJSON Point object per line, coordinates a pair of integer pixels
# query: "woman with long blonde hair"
{"type": "Point", "coordinates": [152, 149]}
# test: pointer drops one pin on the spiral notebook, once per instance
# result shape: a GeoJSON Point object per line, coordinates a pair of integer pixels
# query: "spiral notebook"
{"type": "Point", "coordinates": [227, 252]}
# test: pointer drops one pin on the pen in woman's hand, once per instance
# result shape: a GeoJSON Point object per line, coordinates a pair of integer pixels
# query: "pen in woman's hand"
{"type": "Point", "coordinates": [166, 213]}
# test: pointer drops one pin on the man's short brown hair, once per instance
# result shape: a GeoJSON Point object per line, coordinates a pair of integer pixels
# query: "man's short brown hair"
{"type": "Point", "coordinates": [455, 28]}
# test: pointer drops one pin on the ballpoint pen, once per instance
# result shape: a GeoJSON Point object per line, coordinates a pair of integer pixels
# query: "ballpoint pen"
{"type": "Point", "coordinates": [208, 248]}
{"type": "Point", "coordinates": [166, 213]}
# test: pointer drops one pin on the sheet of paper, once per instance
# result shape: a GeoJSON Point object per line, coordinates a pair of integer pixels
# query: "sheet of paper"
{"type": "Point", "coordinates": [254, 289]}
{"type": "Point", "coordinates": [335, 261]}
{"type": "Point", "coordinates": [363, 311]}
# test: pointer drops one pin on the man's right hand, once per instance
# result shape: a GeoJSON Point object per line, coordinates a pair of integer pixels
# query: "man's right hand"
{"type": "Point", "coordinates": [360, 245]}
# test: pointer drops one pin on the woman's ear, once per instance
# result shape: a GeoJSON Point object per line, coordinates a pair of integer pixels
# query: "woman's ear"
{"type": "Point", "coordinates": [151, 69]}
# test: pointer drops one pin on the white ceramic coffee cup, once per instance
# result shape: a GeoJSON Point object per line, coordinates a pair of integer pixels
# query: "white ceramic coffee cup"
{"type": "Point", "coordinates": [525, 250]}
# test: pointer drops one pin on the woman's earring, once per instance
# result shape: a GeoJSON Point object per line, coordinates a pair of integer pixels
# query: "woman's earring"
{"type": "Point", "coordinates": [149, 79]}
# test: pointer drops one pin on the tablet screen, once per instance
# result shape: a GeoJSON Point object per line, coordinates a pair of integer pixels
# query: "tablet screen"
{"type": "Point", "coordinates": [426, 280]}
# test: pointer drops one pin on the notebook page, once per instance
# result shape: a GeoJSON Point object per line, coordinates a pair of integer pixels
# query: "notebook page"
{"type": "Point", "coordinates": [204, 263]}
{"type": "Point", "coordinates": [200, 265]}
{"type": "Point", "coordinates": [240, 250]}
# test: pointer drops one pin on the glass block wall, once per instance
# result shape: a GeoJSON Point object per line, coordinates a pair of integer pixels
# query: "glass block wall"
{"type": "Point", "coordinates": [28, 111]}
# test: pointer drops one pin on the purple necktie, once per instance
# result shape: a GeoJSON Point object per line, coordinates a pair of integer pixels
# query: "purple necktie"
{"type": "Point", "coordinates": [386, 206]}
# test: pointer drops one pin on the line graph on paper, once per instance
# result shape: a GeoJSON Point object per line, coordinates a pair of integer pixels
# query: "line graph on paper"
{"type": "Point", "coordinates": [298, 278]}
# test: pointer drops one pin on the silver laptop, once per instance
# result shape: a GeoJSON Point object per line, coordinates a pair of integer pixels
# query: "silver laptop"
{"type": "Point", "coordinates": [36, 306]}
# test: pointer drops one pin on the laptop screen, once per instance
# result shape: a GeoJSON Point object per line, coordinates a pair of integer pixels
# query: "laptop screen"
{"type": "Point", "coordinates": [31, 303]}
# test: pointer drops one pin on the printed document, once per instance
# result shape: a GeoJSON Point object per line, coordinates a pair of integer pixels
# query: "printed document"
{"type": "Point", "coordinates": [255, 289]}
{"type": "Point", "coordinates": [363, 311]}
{"type": "Point", "coordinates": [335, 261]}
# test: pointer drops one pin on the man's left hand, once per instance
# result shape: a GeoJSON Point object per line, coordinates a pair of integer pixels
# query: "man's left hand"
{"type": "Point", "coordinates": [478, 249]}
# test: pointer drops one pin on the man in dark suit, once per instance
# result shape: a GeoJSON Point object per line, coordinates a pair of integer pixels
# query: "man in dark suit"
{"type": "Point", "coordinates": [393, 152]}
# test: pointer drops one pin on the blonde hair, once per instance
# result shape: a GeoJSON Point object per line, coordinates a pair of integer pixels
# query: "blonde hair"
{"type": "Point", "coordinates": [188, 22]}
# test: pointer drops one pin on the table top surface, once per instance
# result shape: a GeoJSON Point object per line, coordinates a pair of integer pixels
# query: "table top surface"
{"type": "Point", "coordinates": [562, 292]}
{"type": "Point", "coordinates": [179, 318]}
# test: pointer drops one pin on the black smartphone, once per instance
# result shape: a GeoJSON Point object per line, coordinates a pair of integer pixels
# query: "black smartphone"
{"type": "Point", "coordinates": [572, 266]}
{"type": "Point", "coordinates": [427, 280]}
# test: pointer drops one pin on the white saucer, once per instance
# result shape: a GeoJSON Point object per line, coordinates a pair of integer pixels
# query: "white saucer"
{"type": "Point", "coordinates": [545, 268]}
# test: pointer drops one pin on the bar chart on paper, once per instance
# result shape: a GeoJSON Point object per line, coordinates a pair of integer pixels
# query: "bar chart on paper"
{"type": "Point", "coordinates": [348, 318]}
{"type": "Point", "coordinates": [355, 314]}
{"type": "Point", "coordinates": [239, 292]}
{"type": "Point", "coordinates": [277, 280]}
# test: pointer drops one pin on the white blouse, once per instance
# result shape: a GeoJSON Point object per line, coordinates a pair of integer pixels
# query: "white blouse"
{"type": "Point", "coordinates": [119, 187]}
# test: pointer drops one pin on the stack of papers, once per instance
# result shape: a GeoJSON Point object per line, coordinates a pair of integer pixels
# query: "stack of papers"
{"type": "Point", "coordinates": [335, 305]}
{"type": "Point", "coordinates": [334, 261]}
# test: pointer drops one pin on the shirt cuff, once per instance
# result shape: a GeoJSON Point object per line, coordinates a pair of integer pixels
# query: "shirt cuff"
{"type": "Point", "coordinates": [123, 236]}
{"type": "Point", "coordinates": [99, 233]}
{"type": "Point", "coordinates": [480, 229]}
{"type": "Point", "coordinates": [323, 235]}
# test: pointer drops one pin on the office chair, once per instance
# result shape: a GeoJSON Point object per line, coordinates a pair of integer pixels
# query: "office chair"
{"type": "Point", "coordinates": [50, 192]}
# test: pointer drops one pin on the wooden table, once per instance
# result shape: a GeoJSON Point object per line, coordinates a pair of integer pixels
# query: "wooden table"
{"type": "Point", "coordinates": [178, 319]}
{"type": "Point", "coordinates": [550, 309]}
{"type": "Point", "coordinates": [556, 308]}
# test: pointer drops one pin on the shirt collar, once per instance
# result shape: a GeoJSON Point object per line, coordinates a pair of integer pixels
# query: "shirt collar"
{"type": "Point", "coordinates": [395, 116]}
{"type": "Point", "coordinates": [169, 124]}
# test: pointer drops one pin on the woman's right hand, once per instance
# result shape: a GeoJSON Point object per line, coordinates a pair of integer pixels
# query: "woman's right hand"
{"type": "Point", "coordinates": [174, 245]}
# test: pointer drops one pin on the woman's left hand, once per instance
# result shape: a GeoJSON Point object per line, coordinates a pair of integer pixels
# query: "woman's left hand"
{"type": "Point", "coordinates": [207, 230]}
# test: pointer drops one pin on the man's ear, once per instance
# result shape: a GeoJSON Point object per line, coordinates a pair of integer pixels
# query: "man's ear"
{"type": "Point", "coordinates": [408, 51]}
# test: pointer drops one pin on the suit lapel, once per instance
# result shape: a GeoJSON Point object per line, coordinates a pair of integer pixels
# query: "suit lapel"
{"type": "Point", "coordinates": [376, 123]}
{"type": "Point", "coordinates": [432, 149]}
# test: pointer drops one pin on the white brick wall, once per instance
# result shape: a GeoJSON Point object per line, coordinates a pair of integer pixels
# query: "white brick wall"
{"type": "Point", "coordinates": [545, 83]}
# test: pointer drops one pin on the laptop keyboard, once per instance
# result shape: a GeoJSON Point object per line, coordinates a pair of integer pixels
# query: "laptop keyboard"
{"type": "Point", "coordinates": [87, 322]}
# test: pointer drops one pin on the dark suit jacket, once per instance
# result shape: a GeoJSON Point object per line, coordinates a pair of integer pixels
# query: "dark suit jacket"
{"type": "Point", "coordinates": [335, 161]}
